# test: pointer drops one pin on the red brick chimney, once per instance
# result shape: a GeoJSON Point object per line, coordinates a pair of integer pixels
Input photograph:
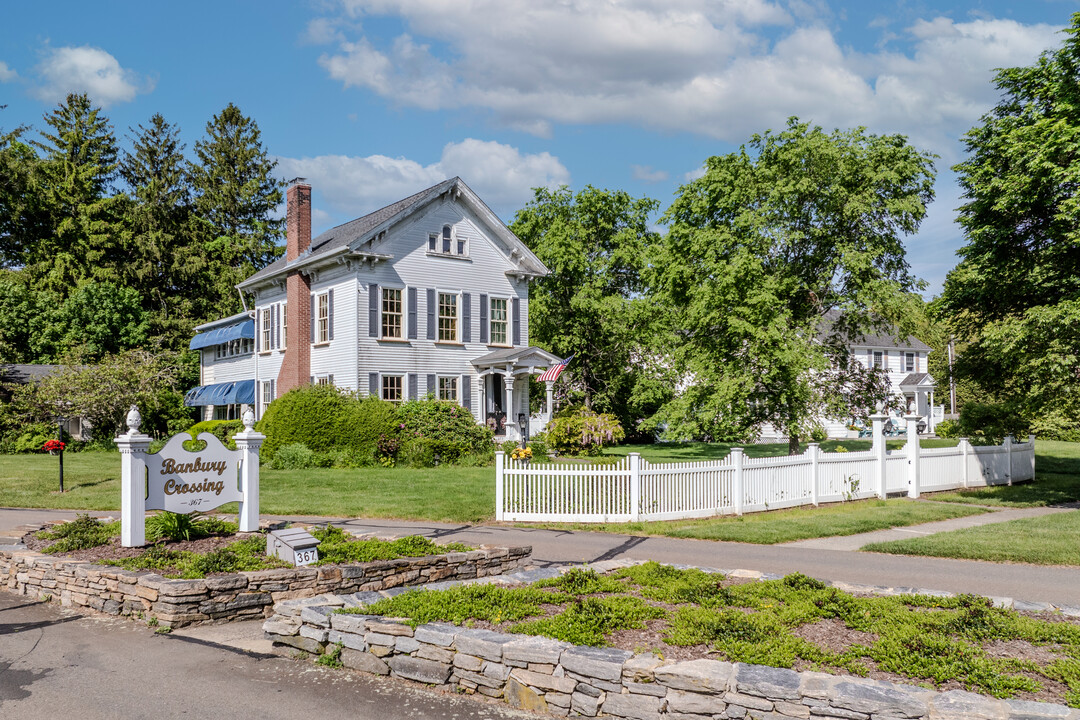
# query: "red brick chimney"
{"type": "Point", "coordinates": [296, 365]}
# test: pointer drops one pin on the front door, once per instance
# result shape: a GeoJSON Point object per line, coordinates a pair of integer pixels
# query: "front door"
{"type": "Point", "coordinates": [496, 414]}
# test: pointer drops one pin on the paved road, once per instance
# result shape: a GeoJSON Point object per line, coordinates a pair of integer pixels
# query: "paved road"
{"type": "Point", "coordinates": [55, 664]}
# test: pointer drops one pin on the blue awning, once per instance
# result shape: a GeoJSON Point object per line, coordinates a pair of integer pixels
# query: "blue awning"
{"type": "Point", "coordinates": [236, 331]}
{"type": "Point", "coordinates": [240, 392]}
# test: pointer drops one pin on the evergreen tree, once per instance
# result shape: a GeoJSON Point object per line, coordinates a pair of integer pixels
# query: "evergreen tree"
{"type": "Point", "coordinates": [165, 266]}
{"type": "Point", "coordinates": [235, 194]}
{"type": "Point", "coordinates": [21, 219]}
{"type": "Point", "coordinates": [84, 238]}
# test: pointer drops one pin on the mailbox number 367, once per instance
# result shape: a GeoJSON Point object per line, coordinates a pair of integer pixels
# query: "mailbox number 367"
{"type": "Point", "coordinates": [306, 557]}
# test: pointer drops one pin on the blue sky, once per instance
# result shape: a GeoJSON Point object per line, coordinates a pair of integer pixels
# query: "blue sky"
{"type": "Point", "coordinates": [372, 100]}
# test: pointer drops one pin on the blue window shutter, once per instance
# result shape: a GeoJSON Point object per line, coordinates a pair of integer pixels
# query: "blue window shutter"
{"type": "Point", "coordinates": [431, 384]}
{"type": "Point", "coordinates": [373, 384]}
{"type": "Point", "coordinates": [330, 314]}
{"type": "Point", "coordinates": [311, 379]}
{"type": "Point", "coordinates": [466, 391]}
{"type": "Point", "coordinates": [466, 317]}
{"type": "Point", "coordinates": [515, 306]}
{"type": "Point", "coordinates": [412, 386]}
{"type": "Point", "coordinates": [431, 310]}
{"type": "Point", "coordinates": [373, 310]}
{"type": "Point", "coordinates": [313, 317]}
{"type": "Point", "coordinates": [412, 313]}
{"type": "Point", "coordinates": [330, 378]}
{"type": "Point", "coordinates": [483, 318]}
{"type": "Point", "coordinates": [273, 390]}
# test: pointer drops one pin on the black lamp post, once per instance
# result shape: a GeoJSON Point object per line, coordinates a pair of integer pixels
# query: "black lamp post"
{"type": "Point", "coordinates": [60, 437]}
{"type": "Point", "coordinates": [523, 426]}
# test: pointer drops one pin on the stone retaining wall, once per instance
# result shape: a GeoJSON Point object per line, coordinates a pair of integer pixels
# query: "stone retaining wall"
{"type": "Point", "coordinates": [240, 596]}
{"type": "Point", "coordinates": [561, 679]}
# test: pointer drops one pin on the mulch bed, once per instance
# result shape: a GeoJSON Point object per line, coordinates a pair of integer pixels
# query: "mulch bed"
{"type": "Point", "coordinates": [112, 550]}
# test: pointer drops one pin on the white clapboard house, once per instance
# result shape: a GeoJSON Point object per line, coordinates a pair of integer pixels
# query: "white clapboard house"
{"type": "Point", "coordinates": [429, 295]}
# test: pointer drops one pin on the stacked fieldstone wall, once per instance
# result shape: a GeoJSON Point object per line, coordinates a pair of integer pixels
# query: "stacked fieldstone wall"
{"type": "Point", "coordinates": [561, 679]}
{"type": "Point", "coordinates": [239, 596]}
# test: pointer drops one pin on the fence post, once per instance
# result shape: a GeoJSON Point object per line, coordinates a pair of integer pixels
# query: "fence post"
{"type": "Point", "coordinates": [500, 457]}
{"type": "Point", "coordinates": [248, 443]}
{"type": "Point", "coordinates": [912, 449]}
{"type": "Point", "coordinates": [635, 486]}
{"type": "Point", "coordinates": [737, 479]}
{"type": "Point", "coordinates": [133, 446]}
{"type": "Point", "coordinates": [965, 448]}
{"type": "Point", "coordinates": [878, 425]}
{"type": "Point", "coordinates": [1008, 443]}
{"type": "Point", "coordinates": [812, 451]}
{"type": "Point", "coordinates": [1031, 442]}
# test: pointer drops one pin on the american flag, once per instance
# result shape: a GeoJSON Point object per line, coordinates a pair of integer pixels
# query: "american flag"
{"type": "Point", "coordinates": [555, 370]}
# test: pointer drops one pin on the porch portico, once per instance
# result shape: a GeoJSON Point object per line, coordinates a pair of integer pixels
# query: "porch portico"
{"type": "Point", "coordinates": [918, 390]}
{"type": "Point", "coordinates": [504, 389]}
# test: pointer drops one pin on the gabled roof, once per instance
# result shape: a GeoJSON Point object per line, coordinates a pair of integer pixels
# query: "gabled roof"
{"type": "Point", "coordinates": [23, 374]}
{"type": "Point", "coordinates": [874, 340]}
{"type": "Point", "coordinates": [915, 379]}
{"type": "Point", "coordinates": [349, 236]}
{"type": "Point", "coordinates": [531, 355]}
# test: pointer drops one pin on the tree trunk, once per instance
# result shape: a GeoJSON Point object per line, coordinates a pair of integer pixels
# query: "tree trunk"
{"type": "Point", "coordinates": [793, 444]}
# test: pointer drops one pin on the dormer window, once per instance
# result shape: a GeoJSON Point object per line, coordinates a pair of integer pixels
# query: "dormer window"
{"type": "Point", "coordinates": [446, 242]}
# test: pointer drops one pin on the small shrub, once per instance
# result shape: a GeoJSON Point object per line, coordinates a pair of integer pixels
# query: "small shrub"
{"type": "Point", "coordinates": [440, 427]}
{"type": "Point", "coordinates": [176, 527]}
{"type": "Point", "coordinates": [818, 434]}
{"type": "Point", "coordinates": [580, 431]}
{"type": "Point", "coordinates": [81, 533]}
{"type": "Point", "coordinates": [992, 421]}
{"type": "Point", "coordinates": [947, 429]}
{"type": "Point", "coordinates": [332, 657]}
{"type": "Point", "coordinates": [352, 457]}
{"type": "Point", "coordinates": [509, 446]}
{"type": "Point", "coordinates": [223, 430]}
{"type": "Point", "coordinates": [337, 546]}
{"type": "Point", "coordinates": [294, 456]}
{"type": "Point", "coordinates": [33, 437]}
{"type": "Point", "coordinates": [539, 449]}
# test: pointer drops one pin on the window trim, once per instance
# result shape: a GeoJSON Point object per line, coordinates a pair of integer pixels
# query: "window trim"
{"type": "Point", "coordinates": [284, 326]}
{"type": "Point", "coordinates": [457, 317]}
{"type": "Point", "coordinates": [322, 322]}
{"type": "Point", "coordinates": [913, 365]}
{"type": "Point", "coordinates": [267, 329]}
{"type": "Point", "coordinates": [506, 321]}
{"type": "Point", "coordinates": [455, 379]}
{"type": "Point", "coordinates": [403, 314]}
{"type": "Point", "coordinates": [383, 377]}
{"type": "Point", "coordinates": [878, 359]}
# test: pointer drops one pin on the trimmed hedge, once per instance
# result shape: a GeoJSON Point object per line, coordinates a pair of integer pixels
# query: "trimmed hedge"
{"type": "Point", "coordinates": [440, 427]}
{"type": "Point", "coordinates": [325, 418]}
{"type": "Point", "coordinates": [223, 430]}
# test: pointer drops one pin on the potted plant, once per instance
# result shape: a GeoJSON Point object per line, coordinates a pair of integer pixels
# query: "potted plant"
{"type": "Point", "coordinates": [54, 447]}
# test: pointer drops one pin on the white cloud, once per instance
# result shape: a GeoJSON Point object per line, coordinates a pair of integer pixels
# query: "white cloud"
{"type": "Point", "coordinates": [87, 70]}
{"type": "Point", "coordinates": [646, 173]}
{"type": "Point", "coordinates": [6, 73]}
{"type": "Point", "coordinates": [322, 31]}
{"type": "Point", "coordinates": [720, 69]}
{"type": "Point", "coordinates": [694, 174]}
{"type": "Point", "coordinates": [500, 174]}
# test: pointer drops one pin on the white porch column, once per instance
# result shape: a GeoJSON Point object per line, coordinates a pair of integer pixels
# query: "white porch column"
{"type": "Point", "coordinates": [930, 415]}
{"type": "Point", "coordinates": [550, 398]}
{"type": "Point", "coordinates": [878, 424]}
{"type": "Point", "coordinates": [508, 408]}
{"type": "Point", "coordinates": [912, 449]}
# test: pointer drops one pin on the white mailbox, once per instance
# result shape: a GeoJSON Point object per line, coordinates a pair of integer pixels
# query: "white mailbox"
{"type": "Point", "coordinates": [293, 545]}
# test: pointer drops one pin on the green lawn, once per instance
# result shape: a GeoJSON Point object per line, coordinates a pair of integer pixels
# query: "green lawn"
{"type": "Point", "coordinates": [92, 481]}
{"type": "Point", "coordinates": [1057, 469]}
{"type": "Point", "coordinates": [780, 526]}
{"type": "Point", "coordinates": [1049, 540]}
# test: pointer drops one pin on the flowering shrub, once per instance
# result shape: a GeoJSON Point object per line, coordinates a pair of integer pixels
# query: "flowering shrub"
{"type": "Point", "coordinates": [442, 428]}
{"type": "Point", "coordinates": [580, 431]}
{"type": "Point", "coordinates": [53, 445]}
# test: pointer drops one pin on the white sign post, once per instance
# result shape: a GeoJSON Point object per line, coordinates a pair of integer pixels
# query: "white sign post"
{"type": "Point", "coordinates": [183, 481]}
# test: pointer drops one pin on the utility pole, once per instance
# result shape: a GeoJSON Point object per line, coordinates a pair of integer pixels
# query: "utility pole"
{"type": "Point", "coordinates": [952, 382]}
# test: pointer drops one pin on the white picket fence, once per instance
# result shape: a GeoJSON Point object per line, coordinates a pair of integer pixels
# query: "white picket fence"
{"type": "Point", "coordinates": [634, 489]}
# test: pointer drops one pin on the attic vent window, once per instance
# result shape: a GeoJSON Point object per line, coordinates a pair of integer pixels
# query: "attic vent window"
{"type": "Point", "coordinates": [447, 242]}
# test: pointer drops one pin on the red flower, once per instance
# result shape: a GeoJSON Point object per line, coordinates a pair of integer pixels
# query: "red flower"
{"type": "Point", "coordinates": [53, 445]}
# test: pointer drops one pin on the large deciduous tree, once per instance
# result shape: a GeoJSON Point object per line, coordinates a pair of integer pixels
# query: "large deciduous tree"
{"type": "Point", "coordinates": [597, 245]}
{"type": "Point", "coordinates": [235, 196]}
{"type": "Point", "coordinates": [795, 225]}
{"type": "Point", "coordinates": [1015, 295]}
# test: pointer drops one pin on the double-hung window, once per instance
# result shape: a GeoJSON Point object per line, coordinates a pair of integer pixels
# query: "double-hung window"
{"type": "Point", "coordinates": [879, 361]}
{"type": "Point", "coordinates": [392, 313]}
{"type": "Point", "coordinates": [448, 317]}
{"type": "Point", "coordinates": [284, 325]}
{"type": "Point", "coordinates": [267, 329]}
{"type": "Point", "coordinates": [392, 388]}
{"type": "Point", "coordinates": [909, 362]}
{"type": "Point", "coordinates": [322, 332]}
{"type": "Point", "coordinates": [448, 388]}
{"type": "Point", "coordinates": [446, 239]}
{"type": "Point", "coordinates": [499, 322]}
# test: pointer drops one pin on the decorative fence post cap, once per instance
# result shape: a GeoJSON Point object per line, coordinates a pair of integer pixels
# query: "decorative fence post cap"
{"type": "Point", "coordinates": [249, 420]}
{"type": "Point", "coordinates": [134, 420]}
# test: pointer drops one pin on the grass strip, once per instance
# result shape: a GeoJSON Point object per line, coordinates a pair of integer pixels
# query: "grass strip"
{"type": "Point", "coordinates": [780, 526]}
{"type": "Point", "coordinates": [1047, 540]}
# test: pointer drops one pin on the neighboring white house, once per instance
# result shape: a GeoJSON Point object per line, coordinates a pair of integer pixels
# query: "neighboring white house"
{"type": "Point", "coordinates": [905, 362]}
{"type": "Point", "coordinates": [428, 295]}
